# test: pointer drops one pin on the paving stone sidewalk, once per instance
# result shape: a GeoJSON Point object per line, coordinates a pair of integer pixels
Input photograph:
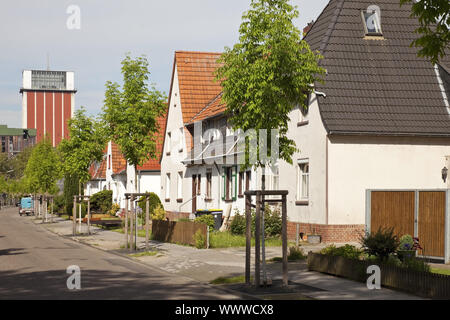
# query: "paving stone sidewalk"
{"type": "Point", "coordinates": [206, 265]}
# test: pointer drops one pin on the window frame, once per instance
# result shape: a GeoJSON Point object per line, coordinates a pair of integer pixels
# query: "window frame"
{"type": "Point", "coordinates": [303, 174]}
{"type": "Point", "coordinates": [366, 30]}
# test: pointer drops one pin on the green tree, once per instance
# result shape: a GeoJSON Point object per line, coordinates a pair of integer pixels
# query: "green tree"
{"type": "Point", "coordinates": [268, 72]}
{"type": "Point", "coordinates": [131, 113]}
{"type": "Point", "coordinates": [43, 168]}
{"type": "Point", "coordinates": [434, 19]}
{"type": "Point", "coordinates": [85, 145]}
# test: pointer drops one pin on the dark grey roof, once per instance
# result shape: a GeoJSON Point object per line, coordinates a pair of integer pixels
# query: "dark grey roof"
{"type": "Point", "coordinates": [376, 86]}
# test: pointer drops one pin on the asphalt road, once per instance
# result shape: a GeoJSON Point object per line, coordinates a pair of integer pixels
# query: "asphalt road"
{"type": "Point", "coordinates": [33, 263]}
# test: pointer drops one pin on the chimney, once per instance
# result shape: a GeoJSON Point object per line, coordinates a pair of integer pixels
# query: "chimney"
{"type": "Point", "coordinates": [307, 28]}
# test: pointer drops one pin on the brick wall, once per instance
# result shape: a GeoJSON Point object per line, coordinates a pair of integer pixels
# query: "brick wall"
{"type": "Point", "coordinates": [329, 233]}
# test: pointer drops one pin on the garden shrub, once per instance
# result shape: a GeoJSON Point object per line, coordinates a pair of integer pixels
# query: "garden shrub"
{"type": "Point", "coordinates": [238, 224]}
{"type": "Point", "coordinates": [101, 202]}
{"type": "Point", "coordinates": [114, 208]}
{"type": "Point", "coordinates": [159, 213]}
{"type": "Point", "coordinates": [380, 244]}
{"type": "Point", "coordinates": [296, 253]}
{"type": "Point", "coordinates": [208, 219]}
{"type": "Point", "coordinates": [200, 240]}
{"type": "Point", "coordinates": [154, 202]}
{"type": "Point", "coordinates": [347, 251]}
{"type": "Point", "coordinates": [406, 242]}
{"type": "Point", "coordinates": [58, 202]}
{"type": "Point", "coordinates": [272, 223]}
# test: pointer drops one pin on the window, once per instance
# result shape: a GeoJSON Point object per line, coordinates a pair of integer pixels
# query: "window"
{"type": "Point", "coordinates": [303, 112]}
{"type": "Point", "coordinates": [199, 184]}
{"type": "Point", "coordinates": [208, 184]}
{"type": "Point", "coordinates": [371, 21]}
{"type": "Point", "coordinates": [248, 178]}
{"type": "Point", "coordinates": [241, 183]}
{"type": "Point", "coordinates": [303, 180]}
{"type": "Point", "coordinates": [48, 80]}
{"type": "Point", "coordinates": [169, 143]}
{"type": "Point", "coordinates": [180, 185]}
{"type": "Point", "coordinates": [180, 145]}
{"type": "Point", "coordinates": [167, 186]}
{"type": "Point", "coordinates": [229, 183]}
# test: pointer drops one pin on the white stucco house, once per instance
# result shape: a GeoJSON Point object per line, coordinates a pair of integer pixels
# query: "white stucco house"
{"type": "Point", "coordinates": [381, 120]}
{"type": "Point", "coordinates": [114, 173]}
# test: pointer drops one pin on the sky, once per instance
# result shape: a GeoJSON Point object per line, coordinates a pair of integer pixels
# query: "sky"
{"type": "Point", "coordinates": [34, 32]}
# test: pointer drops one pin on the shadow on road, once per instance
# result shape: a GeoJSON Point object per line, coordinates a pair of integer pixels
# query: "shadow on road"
{"type": "Point", "coordinates": [100, 285]}
{"type": "Point", "coordinates": [12, 251]}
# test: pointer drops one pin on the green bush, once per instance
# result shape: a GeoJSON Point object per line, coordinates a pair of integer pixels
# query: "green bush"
{"type": "Point", "coordinates": [200, 240]}
{"type": "Point", "coordinates": [272, 223]}
{"type": "Point", "coordinates": [154, 202]}
{"type": "Point", "coordinates": [406, 243]}
{"type": "Point", "coordinates": [380, 244]}
{"type": "Point", "coordinates": [238, 224]}
{"type": "Point", "coordinates": [101, 202]}
{"type": "Point", "coordinates": [347, 251]}
{"type": "Point", "coordinates": [71, 186]}
{"type": "Point", "coordinates": [296, 253]}
{"type": "Point", "coordinates": [208, 219]}
{"type": "Point", "coordinates": [58, 202]}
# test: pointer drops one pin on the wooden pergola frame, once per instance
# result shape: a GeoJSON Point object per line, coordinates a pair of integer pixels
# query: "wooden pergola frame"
{"type": "Point", "coordinates": [74, 215]}
{"type": "Point", "coordinates": [260, 199]}
{"type": "Point", "coordinates": [133, 197]}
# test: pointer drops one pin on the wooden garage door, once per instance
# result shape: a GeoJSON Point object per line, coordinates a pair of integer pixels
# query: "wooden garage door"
{"type": "Point", "coordinates": [431, 224]}
{"type": "Point", "coordinates": [393, 209]}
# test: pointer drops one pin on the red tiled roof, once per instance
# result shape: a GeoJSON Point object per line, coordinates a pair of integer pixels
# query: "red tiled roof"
{"type": "Point", "coordinates": [215, 107]}
{"type": "Point", "coordinates": [196, 80]}
{"type": "Point", "coordinates": [98, 172]}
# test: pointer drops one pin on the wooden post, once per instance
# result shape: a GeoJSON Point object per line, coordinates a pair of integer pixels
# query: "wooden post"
{"type": "Point", "coordinates": [126, 223]}
{"type": "Point", "coordinates": [147, 221]}
{"type": "Point", "coordinates": [74, 215]}
{"type": "Point", "coordinates": [248, 237]}
{"type": "Point", "coordinates": [131, 224]}
{"type": "Point", "coordinates": [284, 240]}
{"type": "Point", "coordinates": [258, 239]}
{"type": "Point", "coordinates": [89, 216]}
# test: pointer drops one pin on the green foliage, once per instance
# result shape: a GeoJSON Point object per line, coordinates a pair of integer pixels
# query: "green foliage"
{"type": "Point", "coordinates": [101, 201]}
{"type": "Point", "coordinates": [406, 242]}
{"type": "Point", "coordinates": [268, 72]}
{"type": "Point", "coordinates": [86, 144]}
{"type": "Point", "coordinates": [154, 202]}
{"type": "Point", "coordinates": [200, 240]}
{"type": "Point", "coordinates": [238, 224]}
{"type": "Point", "coordinates": [131, 114]}
{"type": "Point", "coordinates": [434, 19]}
{"type": "Point", "coordinates": [59, 204]}
{"type": "Point", "coordinates": [71, 188]}
{"type": "Point", "coordinates": [380, 244]}
{"type": "Point", "coordinates": [159, 213]}
{"type": "Point", "coordinates": [43, 169]}
{"type": "Point", "coordinates": [347, 251]}
{"type": "Point", "coordinates": [207, 219]}
{"type": "Point", "coordinates": [296, 253]}
{"type": "Point", "coordinates": [272, 223]}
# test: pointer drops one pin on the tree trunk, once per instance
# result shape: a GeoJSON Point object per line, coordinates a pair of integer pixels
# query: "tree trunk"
{"type": "Point", "coordinates": [79, 206]}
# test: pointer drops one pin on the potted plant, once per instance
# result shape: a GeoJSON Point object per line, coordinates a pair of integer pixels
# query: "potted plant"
{"type": "Point", "coordinates": [407, 248]}
{"type": "Point", "coordinates": [314, 238]}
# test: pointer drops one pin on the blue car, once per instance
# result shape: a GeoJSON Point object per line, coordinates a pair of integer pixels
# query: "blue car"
{"type": "Point", "coordinates": [26, 206]}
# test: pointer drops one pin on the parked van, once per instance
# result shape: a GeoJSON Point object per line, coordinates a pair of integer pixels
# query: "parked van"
{"type": "Point", "coordinates": [26, 206]}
